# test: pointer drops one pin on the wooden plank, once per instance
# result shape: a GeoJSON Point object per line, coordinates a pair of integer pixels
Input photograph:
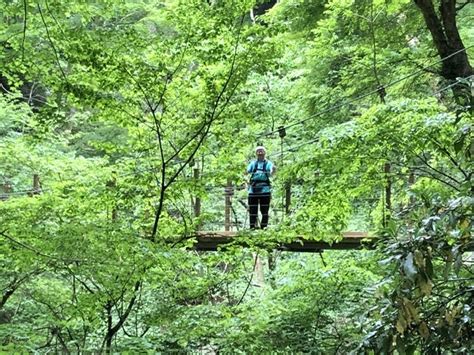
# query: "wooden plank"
{"type": "Point", "coordinates": [211, 241]}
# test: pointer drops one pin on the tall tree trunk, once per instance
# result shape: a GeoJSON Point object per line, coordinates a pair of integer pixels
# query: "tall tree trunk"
{"type": "Point", "coordinates": [446, 38]}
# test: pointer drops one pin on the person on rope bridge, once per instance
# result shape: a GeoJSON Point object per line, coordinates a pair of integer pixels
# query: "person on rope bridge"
{"type": "Point", "coordinates": [259, 188]}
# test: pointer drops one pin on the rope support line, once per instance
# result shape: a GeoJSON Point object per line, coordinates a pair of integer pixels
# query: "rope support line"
{"type": "Point", "coordinates": [362, 96]}
{"type": "Point", "coordinates": [294, 148]}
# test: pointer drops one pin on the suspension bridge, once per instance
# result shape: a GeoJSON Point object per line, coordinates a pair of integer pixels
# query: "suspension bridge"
{"type": "Point", "coordinates": [227, 225]}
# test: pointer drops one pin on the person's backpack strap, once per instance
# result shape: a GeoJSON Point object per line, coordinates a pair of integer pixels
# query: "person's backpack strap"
{"type": "Point", "coordinates": [264, 170]}
{"type": "Point", "coordinates": [267, 174]}
{"type": "Point", "coordinates": [255, 166]}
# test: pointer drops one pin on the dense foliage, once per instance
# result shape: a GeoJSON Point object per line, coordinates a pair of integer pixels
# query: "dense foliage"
{"type": "Point", "coordinates": [122, 123]}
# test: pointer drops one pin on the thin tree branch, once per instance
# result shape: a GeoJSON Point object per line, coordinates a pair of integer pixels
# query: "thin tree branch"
{"type": "Point", "coordinates": [250, 280]}
{"type": "Point", "coordinates": [6, 236]}
{"type": "Point", "coordinates": [431, 175]}
{"type": "Point", "coordinates": [425, 161]}
{"type": "Point", "coordinates": [52, 44]}
{"type": "Point", "coordinates": [214, 116]}
{"type": "Point", "coordinates": [54, 18]}
{"type": "Point", "coordinates": [113, 329]}
{"type": "Point", "coordinates": [461, 6]}
{"type": "Point", "coordinates": [25, 14]}
{"type": "Point", "coordinates": [206, 127]}
{"type": "Point", "coordinates": [450, 157]}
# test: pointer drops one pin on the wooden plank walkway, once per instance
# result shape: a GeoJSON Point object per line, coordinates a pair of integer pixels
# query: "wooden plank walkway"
{"type": "Point", "coordinates": [211, 241]}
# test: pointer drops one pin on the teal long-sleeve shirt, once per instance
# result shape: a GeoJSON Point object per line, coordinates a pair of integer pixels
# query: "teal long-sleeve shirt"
{"type": "Point", "coordinates": [260, 176]}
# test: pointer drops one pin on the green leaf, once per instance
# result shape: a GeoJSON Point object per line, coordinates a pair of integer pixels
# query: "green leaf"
{"type": "Point", "coordinates": [401, 344]}
{"type": "Point", "coordinates": [401, 324]}
{"type": "Point", "coordinates": [423, 330]}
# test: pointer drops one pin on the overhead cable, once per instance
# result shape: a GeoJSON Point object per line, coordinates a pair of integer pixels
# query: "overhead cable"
{"type": "Point", "coordinates": [362, 96]}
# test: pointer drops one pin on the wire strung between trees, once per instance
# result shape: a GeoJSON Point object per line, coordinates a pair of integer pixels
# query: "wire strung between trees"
{"type": "Point", "coordinates": [294, 149]}
{"type": "Point", "coordinates": [362, 96]}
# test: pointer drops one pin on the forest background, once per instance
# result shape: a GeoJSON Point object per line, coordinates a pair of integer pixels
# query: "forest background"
{"type": "Point", "coordinates": [122, 123]}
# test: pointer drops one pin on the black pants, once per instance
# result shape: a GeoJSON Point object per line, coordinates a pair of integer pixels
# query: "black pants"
{"type": "Point", "coordinates": [256, 200]}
